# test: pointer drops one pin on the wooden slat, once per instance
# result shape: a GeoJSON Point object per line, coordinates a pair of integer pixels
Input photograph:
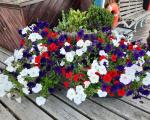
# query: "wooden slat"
{"type": "Point", "coordinates": [60, 110]}
{"type": "Point", "coordinates": [122, 108]}
{"type": "Point", "coordinates": [144, 105]}
{"type": "Point", "coordinates": [26, 110]}
{"type": "Point", "coordinates": [89, 108]}
{"type": "Point", "coordinates": [5, 114]}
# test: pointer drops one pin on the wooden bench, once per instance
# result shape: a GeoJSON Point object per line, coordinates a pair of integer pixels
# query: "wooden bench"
{"type": "Point", "coordinates": [132, 13]}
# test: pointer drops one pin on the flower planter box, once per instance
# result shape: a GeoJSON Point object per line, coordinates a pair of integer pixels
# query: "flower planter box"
{"type": "Point", "coordinates": [16, 14]}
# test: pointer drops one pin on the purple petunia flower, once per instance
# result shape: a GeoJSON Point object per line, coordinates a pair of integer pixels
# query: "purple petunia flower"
{"type": "Point", "coordinates": [108, 48]}
{"type": "Point", "coordinates": [62, 38]}
{"type": "Point", "coordinates": [51, 90]}
{"type": "Point", "coordinates": [57, 70]}
{"type": "Point", "coordinates": [129, 92]}
{"type": "Point", "coordinates": [120, 68]}
{"type": "Point", "coordinates": [80, 33]}
{"type": "Point", "coordinates": [31, 84]}
{"type": "Point", "coordinates": [142, 53]}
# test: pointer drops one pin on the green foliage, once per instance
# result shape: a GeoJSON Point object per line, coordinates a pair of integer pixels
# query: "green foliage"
{"type": "Point", "coordinates": [72, 21]}
{"type": "Point", "coordinates": [97, 18]}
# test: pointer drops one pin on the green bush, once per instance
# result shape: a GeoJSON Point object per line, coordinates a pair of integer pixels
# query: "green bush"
{"type": "Point", "coordinates": [97, 18]}
{"type": "Point", "coordinates": [72, 21]}
{"type": "Point", "coordinates": [94, 19]}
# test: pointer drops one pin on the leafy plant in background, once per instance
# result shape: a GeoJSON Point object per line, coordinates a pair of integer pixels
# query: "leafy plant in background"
{"type": "Point", "coordinates": [97, 18]}
{"type": "Point", "coordinates": [72, 21]}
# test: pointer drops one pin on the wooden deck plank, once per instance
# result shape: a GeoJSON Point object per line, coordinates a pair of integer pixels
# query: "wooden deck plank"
{"type": "Point", "coordinates": [60, 110]}
{"type": "Point", "coordinates": [89, 108]}
{"type": "Point", "coordinates": [144, 105]}
{"type": "Point", "coordinates": [4, 114]}
{"type": "Point", "coordinates": [26, 110]}
{"type": "Point", "coordinates": [122, 108]}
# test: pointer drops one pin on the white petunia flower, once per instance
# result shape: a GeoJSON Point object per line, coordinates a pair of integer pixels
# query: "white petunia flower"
{"type": "Point", "coordinates": [62, 63]}
{"type": "Point", "coordinates": [10, 68]}
{"type": "Point", "coordinates": [9, 60]}
{"type": "Point", "coordinates": [25, 90]}
{"type": "Point", "coordinates": [103, 62]}
{"type": "Point", "coordinates": [95, 65]}
{"type": "Point", "coordinates": [71, 94]}
{"type": "Point", "coordinates": [148, 53]}
{"type": "Point", "coordinates": [102, 53]}
{"type": "Point", "coordinates": [62, 51]}
{"type": "Point", "coordinates": [34, 72]}
{"type": "Point", "coordinates": [125, 79]}
{"type": "Point", "coordinates": [84, 48]}
{"type": "Point", "coordinates": [102, 70]}
{"type": "Point", "coordinates": [77, 99]}
{"type": "Point", "coordinates": [24, 72]}
{"type": "Point", "coordinates": [70, 56]}
{"type": "Point", "coordinates": [18, 54]}
{"type": "Point", "coordinates": [79, 52]}
{"type": "Point", "coordinates": [102, 93]}
{"type": "Point", "coordinates": [80, 43]}
{"type": "Point", "coordinates": [5, 85]}
{"type": "Point", "coordinates": [42, 48]}
{"type": "Point", "coordinates": [90, 72]}
{"type": "Point", "coordinates": [40, 100]}
{"type": "Point", "coordinates": [79, 89]}
{"type": "Point", "coordinates": [67, 44]}
{"type": "Point", "coordinates": [26, 30]}
{"type": "Point", "coordinates": [34, 37]}
{"type": "Point", "coordinates": [86, 84]}
{"type": "Point", "coordinates": [146, 80]}
{"type": "Point", "coordinates": [140, 61]}
{"type": "Point", "coordinates": [116, 43]}
{"type": "Point", "coordinates": [21, 80]}
{"type": "Point", "coordinates": [94, 78]}
{"type": "Point", "coordinates": [88, 43]}
{"type": "Point", "coordinates": [37, 88]}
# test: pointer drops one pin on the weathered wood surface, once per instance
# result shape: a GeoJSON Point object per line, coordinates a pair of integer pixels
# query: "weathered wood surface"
{"type": "Point", "coordinates": [5, 114]}
{"type": "Point", "coordinates": [59, 107]}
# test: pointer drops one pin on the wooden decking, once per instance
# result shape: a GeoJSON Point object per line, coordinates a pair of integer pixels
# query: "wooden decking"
{"type": "Point", "coordinates": [58, 107]}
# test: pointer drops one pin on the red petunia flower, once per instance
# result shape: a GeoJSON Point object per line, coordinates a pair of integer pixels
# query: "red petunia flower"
{"type": "Point", "coordinates": [121, 92]}
{"type": "Point", "coordinates": [138, 48]}
{"type": "Point", "coordinates": [111, 94]}
{"type": "Point", "coordinates": [108, 89]}
{"type": "Point", "coordinates": [52, 47]}
{"type": "Point", "coordinates": [122, 42]}
{"type": "Point", "coordinates": [52, 35]}
{"type": "Point", "coordinates": [46, 29]}
{"type": "Point", "coordinates": [111, 37]}
{"type": "Point", "coordinates": [69, 40]}
{"type": "Point", "coordinates": [63, 71]}
{"type": "Point", "coordinates": [22, 42]}
{"type": "Point", "coordinates": [45, 55]}
{"type": "Point", "coordinates": [102, 57]}
{"type": "Point", "coordinates": [77, 38]}
{"type": "Point", "coordinates": [107, 78]}
{"type": "Point", "coordinates": [113, 73]}
{"type": "Point", "coordinates": [66, 84]}
{"type": "Point", "coordinates": [101, 40]}
{"type": "Point", "coordinates": [69, 75]}
{"type": "Point", "coordinates": [114, 58]}
{"type": "Point", "coordinates": [38, 59]}
{"type": "Point", "coordinates": [76, 77]}
{"type": "Point", "coordinates": [130, 47]}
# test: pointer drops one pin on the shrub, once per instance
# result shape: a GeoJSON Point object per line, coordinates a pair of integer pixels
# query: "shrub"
{"type": "Point", "coordinates": [97, 18]}
{"type": "Point", "coordinates": [72, 21]}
